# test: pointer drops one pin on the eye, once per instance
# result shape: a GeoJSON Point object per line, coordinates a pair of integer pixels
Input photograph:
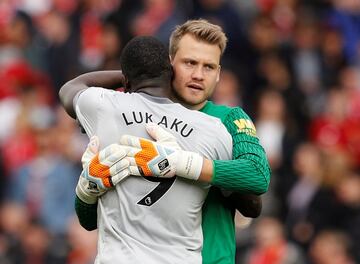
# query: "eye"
{"type": "Point", "coordinates": [190, 63]}
{"type": "Point", "coordinates": [209, 67]}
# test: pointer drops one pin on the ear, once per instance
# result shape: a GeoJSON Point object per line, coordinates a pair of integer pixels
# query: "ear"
{"type": "Point", "coordinates": [172, 73]}
{"type": "Point", "coordinates": [127, 86]}
{"type": "Point", "coordinates": [218, 74]}
{"type": "Point", "coordinates": [171, 59]}
{"type": "Point", "coordinates": [172, 68]}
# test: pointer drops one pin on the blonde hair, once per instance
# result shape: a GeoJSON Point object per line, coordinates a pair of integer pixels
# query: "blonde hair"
{"type": "Point", "coordinates": [202, 30]}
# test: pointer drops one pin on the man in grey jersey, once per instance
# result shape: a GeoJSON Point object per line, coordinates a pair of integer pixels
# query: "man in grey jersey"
{"type": "Point", "coordinates": [148, 220]}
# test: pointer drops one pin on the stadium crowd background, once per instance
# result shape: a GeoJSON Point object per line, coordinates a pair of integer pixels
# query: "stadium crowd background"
{"type": "Point", "coordinates": [293, 65]}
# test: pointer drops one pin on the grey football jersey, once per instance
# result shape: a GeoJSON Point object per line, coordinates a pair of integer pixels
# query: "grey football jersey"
{"type": "Point", "coordinates": [151, 220]}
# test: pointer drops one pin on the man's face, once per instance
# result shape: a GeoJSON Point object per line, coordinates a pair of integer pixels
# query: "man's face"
{"type": "Point", "coordinates": [197, 70]}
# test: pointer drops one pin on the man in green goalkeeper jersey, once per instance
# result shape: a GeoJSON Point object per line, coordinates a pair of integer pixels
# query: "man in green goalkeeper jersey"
{"type": "Point", "coordinates": [195, 50]}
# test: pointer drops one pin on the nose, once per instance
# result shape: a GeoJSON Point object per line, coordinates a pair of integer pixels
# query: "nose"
{"type": "Point", "coordinates": [197, 73]}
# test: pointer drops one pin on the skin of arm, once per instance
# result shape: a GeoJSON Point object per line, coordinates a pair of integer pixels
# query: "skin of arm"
{"type": "Point", "coordinates": [207, 171]}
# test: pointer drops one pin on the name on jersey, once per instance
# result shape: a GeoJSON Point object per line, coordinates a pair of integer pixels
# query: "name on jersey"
{"type": "Point", "coordinates": [245, 126]}
{"type": "Point", "coordinates": [176, 124]}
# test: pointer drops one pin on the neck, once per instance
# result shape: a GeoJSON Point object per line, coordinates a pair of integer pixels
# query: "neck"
{"type": "Point", "coordinates": [177, 99]}
{"type": "Point", "coordinates": [197, 107]}
{"type": "Point", "coordinates": [159, 87]}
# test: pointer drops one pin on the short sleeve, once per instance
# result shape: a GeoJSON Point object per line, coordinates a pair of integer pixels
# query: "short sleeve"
{"type": "Point", "coordinates": [87, 106]}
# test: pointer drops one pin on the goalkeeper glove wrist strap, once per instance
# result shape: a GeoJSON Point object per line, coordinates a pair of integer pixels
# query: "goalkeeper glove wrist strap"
{"type": "Point", "coordinates": [189, 165]}
{"type": "Point", "coordinates": [83, 192]}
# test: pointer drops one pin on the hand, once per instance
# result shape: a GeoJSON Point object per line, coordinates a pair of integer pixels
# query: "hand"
{"type": "Point", "coordinates": [249, 205]}
{"type": "Point", "coordinates": [163, 158]}
{"type": "Point", "coordinates": [101, 170]}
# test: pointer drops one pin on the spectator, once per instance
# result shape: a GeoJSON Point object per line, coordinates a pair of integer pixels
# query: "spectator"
{"type": "Point", "coordinates": [45, 185]}
{"type": "Point", "coordinates": [331, 247]}
{"type": "Point", "coordinates": [292, 65]}
{"type": "Point", "coordinates": [311, 206]}
{"type": "Point", "coordinates": [271, 245]}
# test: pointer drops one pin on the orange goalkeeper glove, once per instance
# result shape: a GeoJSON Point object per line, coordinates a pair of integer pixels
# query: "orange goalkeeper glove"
{"type": "Point", "coordinates": [101, 170]}
{"type": "Point", "coordinates": [163, 158]}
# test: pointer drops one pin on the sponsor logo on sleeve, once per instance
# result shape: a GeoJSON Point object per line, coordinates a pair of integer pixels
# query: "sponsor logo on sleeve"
{"type": "Point", "coordinates": [245, 126]}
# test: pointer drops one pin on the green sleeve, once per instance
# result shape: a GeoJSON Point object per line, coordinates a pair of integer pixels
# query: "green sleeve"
{"type": "Point", "coordinates": [249, 171]}
{"type": "Point", "coordinates": [87, 214]}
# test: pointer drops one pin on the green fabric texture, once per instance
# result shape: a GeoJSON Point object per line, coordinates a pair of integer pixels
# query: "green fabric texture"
{"type": "Point", "coordinates": [219, 111]}
{"type": "Point", "coordinates": [87, 214]}
{"type": "Point", "coordinates": [251, 161]}
{"type": "Point", "coordinates": [217, 217]}
{"type": "Point", "coordinates": [218, 230]}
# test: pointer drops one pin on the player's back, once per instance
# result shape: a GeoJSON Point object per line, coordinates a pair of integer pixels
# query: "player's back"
{"type": "Point", "coordinates": [151, 220]}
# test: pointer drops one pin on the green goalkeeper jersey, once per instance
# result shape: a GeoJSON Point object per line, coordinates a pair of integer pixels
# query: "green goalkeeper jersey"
{"type": "Point", "coordinates": [248, 173]}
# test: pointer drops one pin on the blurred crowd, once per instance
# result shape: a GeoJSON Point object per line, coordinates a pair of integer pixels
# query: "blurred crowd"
{"type": "Point", "coordinates": [292, 65]}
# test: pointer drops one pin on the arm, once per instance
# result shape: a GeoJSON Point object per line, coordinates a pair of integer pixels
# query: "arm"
{"type": "Point", "coordinates": [86, 213]}
{"type": "Point", "coordinates": [106, 79]}
{"type": "Point", "coordinates": [249, 205]}
{"type": "Point", "coordinates": [249, 171]}
{"type": "Point", "coordinates": [216, 171]}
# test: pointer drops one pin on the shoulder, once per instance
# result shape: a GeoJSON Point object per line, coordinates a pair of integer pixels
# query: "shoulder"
{"type": "Point", "coordinates": [238, 122]}
{"type": "Point", "coordinates": [224, 112]}
{"type": "Point", "coordinates": [94, 100]}
{"type": "Point", "coordinates": [219, 111]}
{"type": "Point", "coordinates": [210, 125]}
{"type": "Point", "coordinates": [90, 94]}
{"type": "Point", "coordinates": [97, 95]}
{"type": "Point", "coordinates": [234, 118]}
{"type": "Point", "coordinates": [85, 100]}
{"type": "Point", "coordinates": [211, 120]}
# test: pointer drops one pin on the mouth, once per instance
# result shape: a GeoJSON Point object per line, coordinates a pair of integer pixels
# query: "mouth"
{"type": "Point", "coordinates": [195, 86]}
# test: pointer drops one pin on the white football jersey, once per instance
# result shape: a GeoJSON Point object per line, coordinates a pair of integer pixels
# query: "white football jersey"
{"type": "Point", "coordinates": [151, 220]}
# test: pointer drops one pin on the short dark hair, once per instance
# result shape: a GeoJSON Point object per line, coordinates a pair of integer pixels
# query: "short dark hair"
{"type": "Point", "coordinates": [145, 57]}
